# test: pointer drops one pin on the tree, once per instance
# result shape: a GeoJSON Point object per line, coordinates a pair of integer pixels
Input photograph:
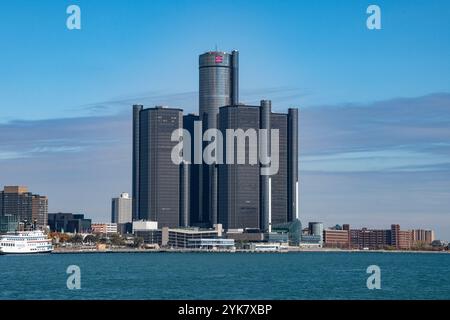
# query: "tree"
{"type": "Point", "coordinates": [77, 238]}
{"type": "Point", "coordinates": [138, 242]}
{"type": "Point", "coordinates": [116, 240]}
{"type": "Point", "coordinates": [90, 238]}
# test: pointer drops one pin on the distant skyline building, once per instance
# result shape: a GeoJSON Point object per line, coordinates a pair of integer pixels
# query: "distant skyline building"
{"type": "Point", "coordinates": [239, 184]}
{"type": "Point", "coordinates": [218, 87]}
{"type": "Point", "coordinates": [381, 238]}
{"type": "Point", "coordinates": [121, 209]}
{"type": "Point", "coordinates": [284, 183]}
{"type": "Point", "coordinates": [28, 208]}
{"type": "Point", "coordinates": [423, 236]}
{"type": "Point", "coordinates": [156, 179]}
{"type": "Point", "coordinates": [335, 238]}
{"type": "Point", "coordinates": [196, 216]}
{"type": "Point", "coordinates": [104, 228]}
{"type": "Point", "coordinates": [193, 194]}
{"type": "Point", "coordinates": [316, 229]}
{"type": "Point", "coordinates": [246, 197]}
{"type": "Point", "coordinates": [68, 222]}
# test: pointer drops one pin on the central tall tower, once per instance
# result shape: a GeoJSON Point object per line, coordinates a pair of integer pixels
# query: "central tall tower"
{"type": "Point", "coordinates": [218, 87]}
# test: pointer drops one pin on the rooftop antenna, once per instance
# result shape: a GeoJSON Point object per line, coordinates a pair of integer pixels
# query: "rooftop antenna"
{"type": "Point", "coordinates": [216, 47]}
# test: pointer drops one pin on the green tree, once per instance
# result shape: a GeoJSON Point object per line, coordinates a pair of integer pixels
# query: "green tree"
{"type": "Point", "coordinates": [138, 242]}
{"type": "Point", "coordinates": [90, 238]}
{"type": "Point", "coordinates": [116, 240]}
{"type": "Point", "coordinates": [77, 238]}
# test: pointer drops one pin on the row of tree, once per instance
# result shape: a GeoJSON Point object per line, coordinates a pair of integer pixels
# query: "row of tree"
{"type": "Point", "coordinates": [114, 239]}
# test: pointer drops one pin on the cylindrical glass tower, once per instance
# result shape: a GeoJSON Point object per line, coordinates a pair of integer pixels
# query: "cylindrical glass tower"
{"type": "Point", "coordinates": [218, 87]}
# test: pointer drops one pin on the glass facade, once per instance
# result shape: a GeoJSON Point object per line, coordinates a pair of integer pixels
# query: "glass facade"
{"type": "Point", "coordinates": [8, 223]}
{"type": "Point", "coordinates": [218, 87]}
{"type": "Point", "coordinates": [159, 177]}
{"type": "Point", "coordinates": [239, 184]}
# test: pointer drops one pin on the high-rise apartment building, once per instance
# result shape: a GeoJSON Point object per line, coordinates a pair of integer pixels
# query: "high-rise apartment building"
{"type": "Point", "coordinates": [156, 179]}
{"type": "Point", "coordinates": [423, 236]}
{"type": "Point", "coordinates": [28, 208]}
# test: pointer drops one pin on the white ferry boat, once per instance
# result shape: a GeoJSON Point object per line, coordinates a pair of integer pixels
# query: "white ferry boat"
{"type": "Point", "coordinates": [25, 242]}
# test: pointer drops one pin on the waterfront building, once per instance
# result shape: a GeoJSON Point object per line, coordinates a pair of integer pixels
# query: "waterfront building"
{"type": "Point", "coordinates": [381, 238]}
{"type": "Point", "coordinates": [311, 241]}
{"type": "Point", "coordinates": [284, 184]}
{"type": "Point", "coordinates": [156, 179]}
{"type": "Point", "coordinates": [68, 222]}
{"type": "Point", "coordinates": [293, 230]}
{"type": "Point", "coordinates": [370, 238]}
{"type": "Point", "coordinates": [191, 178]}
{"type": "Point", "coordinates": [121, 209]}
{"type": "Point", "coordinates": [277, 237]}
{"type": "Point", "coordinates": [30, 209]}
{"type": "Point", "coordinates": [178, 237]}
{"type": "Point", "coordinates": [239, 184]}
{"type": "Point", "coordinates": [187, 194]}
{"type": "Point", "coordinates": [218, 87]}
{"type": "Point", "coordinates": [239, 206]}
{"type": "Point", "coordinates": [104, 228]}
{"type": "Point", "coordinates": [423, 236]}
{"type": "Point", "coordinates": [212, 243]}
{"type": "Point", "coordinates": [335, 238]}
{"type": "Point", "coordinates": [142, 225]}
{"type": "Point", "coordinates": [316, 229]}
{"type": "Point", "coordinates": [401, 240]}
{"type": "Point", "coordinates": [245, 236]}
{"type": "Point", "coordinates": [8, 223]}
{"type": "Point", "coordinates": [121, 212]}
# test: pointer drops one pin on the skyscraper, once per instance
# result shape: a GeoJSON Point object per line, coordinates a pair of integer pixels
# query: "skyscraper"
{"type": "Point", "coordinates": [196, 216]}
{"type": "Point", "coordinates": [243, 189]}
{"type": "Point", "coordinates": [121, 208]}
{"type": "Point", "coordinates": [136, 146]}
{"type": "Point", "coordinates": [218, 87]}
{"type": "Point", "coordinates": [239, 184]}
{"type": "Point", "coordinates": [284, 183]}
{"type": "Point", "coordinates": [156, 179]}
{"type": "Point", "coordinates": [199, 194]}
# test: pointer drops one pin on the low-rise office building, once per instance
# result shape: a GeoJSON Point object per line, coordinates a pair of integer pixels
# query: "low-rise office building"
{"type": "Point", "coordinates": [68, 222]}
{"type": "Point", "coordinates": [214, 243]}
{"type": "Point", "coordinates": [179, 238]}
{"type": "Point", "coordinates": [245, 236]}
{"type": "Point", "coordinates": [104, 228]}
{"type": "Point", "coordinates": [143, 225]}
{"type": "Point", "coordinates": [311, 241]}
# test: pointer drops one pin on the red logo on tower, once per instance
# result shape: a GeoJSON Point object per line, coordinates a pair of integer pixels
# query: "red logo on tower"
{"type": "Point", "coordinates": [219, 59]}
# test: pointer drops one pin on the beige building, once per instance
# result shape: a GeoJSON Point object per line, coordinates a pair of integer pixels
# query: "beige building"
{"type": "Point", "coordinates": [30, 209]}
{"type": "Point", "coordinates": [423, 236]}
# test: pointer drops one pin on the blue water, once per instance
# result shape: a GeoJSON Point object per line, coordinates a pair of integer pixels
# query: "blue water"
{"type": "Point", "coordinates": [303, 275]}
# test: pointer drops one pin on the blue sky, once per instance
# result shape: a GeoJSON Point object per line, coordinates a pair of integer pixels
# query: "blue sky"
{"type": "Point", "coordinates": [375, 105]}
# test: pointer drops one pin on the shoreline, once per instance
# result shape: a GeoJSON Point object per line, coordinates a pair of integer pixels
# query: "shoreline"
{"type": "Point", "coordinates": [291, 250]}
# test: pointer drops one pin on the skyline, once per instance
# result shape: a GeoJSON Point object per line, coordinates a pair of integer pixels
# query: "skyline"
{"type": "Point", "coordinates": [75, 124]}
